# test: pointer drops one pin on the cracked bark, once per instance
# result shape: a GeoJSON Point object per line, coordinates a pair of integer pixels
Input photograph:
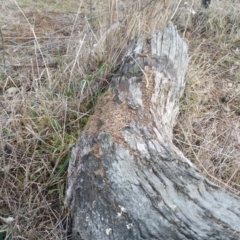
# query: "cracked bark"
{"type": "Point", "coordinates": [126, 179]}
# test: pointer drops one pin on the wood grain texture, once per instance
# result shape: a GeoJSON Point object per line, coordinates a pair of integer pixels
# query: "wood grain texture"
{"type": "Point", "coordinates": [126, 179]}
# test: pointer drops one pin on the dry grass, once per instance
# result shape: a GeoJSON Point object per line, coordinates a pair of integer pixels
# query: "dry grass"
{"type": "Point", "coordinates": [208, 130]}
{"type": "Point", "coordinates": [57, 60]}
{"type": "Point", "coordinates": [54, 66]}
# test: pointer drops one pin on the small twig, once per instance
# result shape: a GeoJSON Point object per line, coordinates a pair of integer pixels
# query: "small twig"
{"type": "Point", "coordinates": [175, 10]}
{"type": "Point", "coordinates": [143, 71]}
{"type": "Point", "coordinates": [49, 65]}
{"type": "Point", "coordinates": [3, 51]}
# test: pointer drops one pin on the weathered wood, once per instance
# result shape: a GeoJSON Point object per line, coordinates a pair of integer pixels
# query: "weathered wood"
{"type": "Point", "coordinates": [126, 179]}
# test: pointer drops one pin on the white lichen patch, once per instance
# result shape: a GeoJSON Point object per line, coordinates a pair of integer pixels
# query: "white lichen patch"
{"type": "Point", "coordinates": [119, 214]}
{"type": "Point", "coordinates": [122, 209]}
{"type": "Point", "coordinates": [129, 226]}
{"type": "Point", "coordinates": [108, 230]}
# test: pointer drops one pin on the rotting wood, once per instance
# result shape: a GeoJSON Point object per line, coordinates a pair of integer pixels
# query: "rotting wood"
{"type": "Point", "coordinates": [126, 179]}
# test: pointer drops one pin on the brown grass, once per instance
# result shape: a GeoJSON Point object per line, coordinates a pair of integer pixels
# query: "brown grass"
{"type": "Point", "coordinates": [55, 65]}
{"type": "Point", "coordinates": [57, 59]}
{"type": "Point", "coordinates": [208, 129]}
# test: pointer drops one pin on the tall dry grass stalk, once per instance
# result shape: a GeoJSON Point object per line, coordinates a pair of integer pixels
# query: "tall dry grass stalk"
{"type": "Point", "coordinates": [208, 126]}
{"type": "Point", "coordinates": [58, 64]}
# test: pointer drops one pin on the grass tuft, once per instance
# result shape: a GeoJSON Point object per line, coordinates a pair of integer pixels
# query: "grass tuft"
{"type": "Point", "coordinates": [57, 58]}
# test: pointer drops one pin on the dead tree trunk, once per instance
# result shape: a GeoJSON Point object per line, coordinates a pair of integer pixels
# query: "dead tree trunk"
{"type": "Point", "coordinates": [126, 179]}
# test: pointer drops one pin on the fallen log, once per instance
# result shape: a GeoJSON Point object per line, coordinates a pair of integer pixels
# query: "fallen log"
{"type": "Point", "coordinates": [126, 179]}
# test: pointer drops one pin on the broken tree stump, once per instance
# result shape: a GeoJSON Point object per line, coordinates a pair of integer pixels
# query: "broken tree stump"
{"type": "Point", "coordinates": [126, 179]}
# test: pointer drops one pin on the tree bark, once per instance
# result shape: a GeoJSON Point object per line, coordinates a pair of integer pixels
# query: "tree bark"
{"type": "Point", "coordinates": [126, 179]}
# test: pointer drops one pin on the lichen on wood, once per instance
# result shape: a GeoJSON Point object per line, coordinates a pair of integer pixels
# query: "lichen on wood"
{"type": "Point", "coordinates": [126, 179]}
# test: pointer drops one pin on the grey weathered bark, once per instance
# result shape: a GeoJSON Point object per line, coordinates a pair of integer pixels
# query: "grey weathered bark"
{"type": "Point", "coordinates": [126, 179]}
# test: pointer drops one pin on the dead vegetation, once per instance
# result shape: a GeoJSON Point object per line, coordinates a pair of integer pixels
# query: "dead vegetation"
{"type": "Point", "coordinates": [208, 126]}
{"type": "Point", "coordinates": [54, 68]}
{"type": "Point", "coordinates": [57, 59]}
